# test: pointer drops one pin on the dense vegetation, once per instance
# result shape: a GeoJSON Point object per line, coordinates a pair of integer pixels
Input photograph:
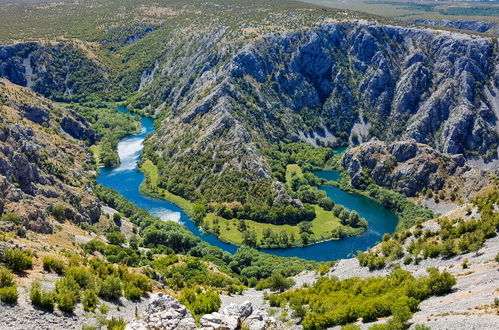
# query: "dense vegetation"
{"type": "Point", "coordinates": [329, 301]}
{"type": "Point", "coordinates": [111, 125]}
{"type": "Point", "coordinates": [448, 238]}
{"type": "Point", "coordinates": [170, 237]}
{"type": "Point", "coordinates": [262, 221]}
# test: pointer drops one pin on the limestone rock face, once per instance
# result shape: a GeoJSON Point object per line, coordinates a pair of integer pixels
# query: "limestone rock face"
{"type": "Point", "coordinates": [345, 81]}
{"type": "Point", "coordinates": [164, 312]}
{"type": "Point", "coordinates": [407, 167]}
{"type": "Point", "coordinates": [41, 168]}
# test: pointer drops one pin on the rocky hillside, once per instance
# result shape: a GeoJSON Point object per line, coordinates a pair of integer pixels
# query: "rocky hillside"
{"type": "Point", "coordinates": [62, 71]}
{"type": "Point", "coordinates": [470, 25]}
{"type": "Point", "coordinates": [43, 172]}
{"type": "Point", "coordinates": [332, 83]}
{"type": "Point", "coordinates": [412, 168]}
{"type": "Point", "coordinates": [280, 72]}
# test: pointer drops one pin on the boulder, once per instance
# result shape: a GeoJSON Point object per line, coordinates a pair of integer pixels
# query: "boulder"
{"type": "Point", "coordinates": [162, 313]}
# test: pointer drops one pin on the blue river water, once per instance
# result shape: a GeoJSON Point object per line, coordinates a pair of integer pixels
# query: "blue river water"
{"type": "Point", "coordinates": [126, 179]}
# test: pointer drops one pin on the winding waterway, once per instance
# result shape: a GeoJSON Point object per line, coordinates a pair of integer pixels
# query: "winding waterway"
{"type": "Point", "coordinates": [126, 179]}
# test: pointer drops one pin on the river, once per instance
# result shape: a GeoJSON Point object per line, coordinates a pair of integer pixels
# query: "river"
{"type": "Point", "coordinates": [126, 179]}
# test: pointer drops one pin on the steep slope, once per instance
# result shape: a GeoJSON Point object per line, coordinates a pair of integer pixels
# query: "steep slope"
{"type": "Point", "coordinates": [329, 84]}
{"type": "Point", "coordinates": [413, 168]}
{"type": "Point", "coordinates": [42, 166]}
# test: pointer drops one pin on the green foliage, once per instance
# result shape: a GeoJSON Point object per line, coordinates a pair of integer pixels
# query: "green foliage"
{"type": "Point", "coordinates": [116, 324]}
{"type": "Point", "coordinates": [111, 288]}
{"type": "Point", "coordinates": [89, 300]}
{"type": "Point", "coordinates": [115, 238]}
{"type": "Point", "coordinates": [41, 298]}
{"type": "Point", "coordinates": [371, 260]}
{"type": "Point", "coordinates": [55, 265]}
{"type": "Point", "coordinates": [6, 278]}
{"type": "Point", "coordinates": [276, 282]}
{"type": "Point", "coordinates": [132, 292]}
{"type": "Point", "coordinates": [12, 218]}
{"type": "Point", "coordinates": [8, 294]}
{"type": "Point", "coordinates": [17, 260]}
{"type": "Point", "coordinates": [329, 301]}
{"type": "Point", "coordinates": [200, 303]}
{"type": "Point", "coordinates": [59, 212]}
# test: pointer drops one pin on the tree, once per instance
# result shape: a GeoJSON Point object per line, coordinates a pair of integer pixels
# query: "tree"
{"type": "Point", "coordinates": [305, 227]}
{"type": "Point", "coordinates": [326, 203]}
{"type": "Point", "coordinates": [199, 212]}
{"type": "Point", "coordinates": [115, 238]}
{"type": "Point", "coordinates": [241, 225]}
{"type": "Point", "coordinates": [249, 238]}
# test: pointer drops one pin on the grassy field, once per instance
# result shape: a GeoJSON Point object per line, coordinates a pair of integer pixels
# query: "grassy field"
{"type": "Point", "coordinates": [323, 227]}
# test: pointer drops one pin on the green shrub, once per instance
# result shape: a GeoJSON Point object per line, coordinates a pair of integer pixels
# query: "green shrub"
{"type": "Point", "coordinates": [89, 300]}
{"type": "Point", "coordinates": [55, 265]}
{"type": "Point", "coordinates": [440, 283]}
{"type": "Point", "coordinates": [115, 238]}
{"type": "Point", "coordinates": [42, 299]}
{"type": "Point", "coordinates": [132, 292]}
{"type": "Point", "coordinates": [83, 276]}
{"type": "Point", "coordinates": [66, 301]}
{"type": "Point", "coordinates": [67, 284]}
{"type": "Point", "coordinates": [276, 282]}
{"type": "Point", "coordinates": [206, 302]}
{"type": "Point", "coordinates": [17, 260]}
{"type": "Point", "coordinates": [116, 324]}
{"type": "Point", "coordinates": [6, 278]}
{"type": "Point", "coordinates": [8, 294]}
{"type": "Point", "coordinates": [59, 212]}
{"type": "Point", "coordinates": [12, 218]}
{"type": "Point", "coordinates": [111, 288]}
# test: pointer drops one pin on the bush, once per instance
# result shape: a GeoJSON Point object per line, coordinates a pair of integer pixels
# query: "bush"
{"type": "Point", "coordinates": [116, 324]}
{"type": "Point", "coordinates": [55, 265]}
{"type": "Point", "coordinates": [206, 302]}
{"type": "Point", "coordinates": [17, 260]}
{"type": "Point", "coordinates": [89, 300]}
{"type": "Point", "coordinates": [111, 288]}
{"type": "Point", "coordinates": [276, 282]}
{"type": "Point", "coordinates": [66, 301]}
{"type": "Point", "coordinates": [42, 299]}
{"type": "Point", "coordinates": [82, 276]}
{"type": "Point", "coordinates": [12, 218]}
{"type": "Point", "coordinates": [132, 292]}
{"type": "Point", "coordinates": [115, 238]}
{"type": "Point", "coordinates": [6, 278]}
{"type": "Point", "coordinates": [440, 283]}
{"type": "Point", "coordinates": [59, 212]}
{"type": "Point", "coordinates": [8, 294]}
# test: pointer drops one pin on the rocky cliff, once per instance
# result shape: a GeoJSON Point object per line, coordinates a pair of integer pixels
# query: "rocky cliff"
{"type": "Point", "coordinates": [470, 25]}
{"type": "Point", "coordinates": [412, 168]}
{"type": "Point", "coordinates": [330, 84]}
{"type": "Point", "coordinates": [59, 70]}
{"type": "Point", "coordinates": [42, 167]}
